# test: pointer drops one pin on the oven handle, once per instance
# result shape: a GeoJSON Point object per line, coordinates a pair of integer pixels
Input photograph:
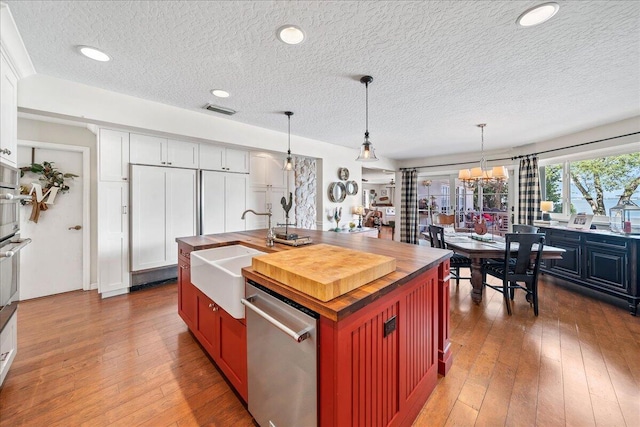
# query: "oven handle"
{"type": "Point", "coordinates": [10, 196]}
{"type": "Point", "coordinates": [298, 336]}
{"type": "Point", "coordinates": [21, 244]}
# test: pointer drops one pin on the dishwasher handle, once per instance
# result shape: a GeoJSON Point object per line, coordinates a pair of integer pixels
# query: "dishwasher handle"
{"type": "Point", "coordinates": [297, 336]}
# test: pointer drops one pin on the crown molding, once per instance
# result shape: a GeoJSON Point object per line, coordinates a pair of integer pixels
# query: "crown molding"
{"type": "Point", "coordinates": [12, 44]}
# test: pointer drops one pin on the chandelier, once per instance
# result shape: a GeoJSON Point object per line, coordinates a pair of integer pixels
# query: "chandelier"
{"type": "Point", "coordinates": [482, 173]}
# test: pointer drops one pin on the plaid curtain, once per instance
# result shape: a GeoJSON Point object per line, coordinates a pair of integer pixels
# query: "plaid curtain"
{"type": "Point", "coordinates": [529, 191]}
{"type": "Point", "coordinates": [409, 207]}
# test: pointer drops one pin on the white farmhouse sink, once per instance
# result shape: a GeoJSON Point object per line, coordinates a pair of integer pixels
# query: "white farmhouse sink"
{"type": "Point", "coordinates": [217, 273]}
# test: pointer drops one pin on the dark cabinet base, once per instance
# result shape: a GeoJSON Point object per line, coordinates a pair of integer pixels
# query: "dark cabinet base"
{"type": "Point", "coordinates": [600, 262]}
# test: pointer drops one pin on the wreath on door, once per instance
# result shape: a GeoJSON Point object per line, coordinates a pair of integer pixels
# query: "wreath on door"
{"type": "Point", "coordinates": [52, 181]}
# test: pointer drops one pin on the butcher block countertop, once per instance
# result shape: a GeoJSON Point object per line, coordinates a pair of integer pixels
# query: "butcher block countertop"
{"type": "Point", "coordinates": [411, 261]}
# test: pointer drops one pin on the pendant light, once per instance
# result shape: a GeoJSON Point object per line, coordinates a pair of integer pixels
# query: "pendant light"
{"type": "Point", "coordinates": [367, 153]}
{"type": "Point", "coordinates": [288, 164]}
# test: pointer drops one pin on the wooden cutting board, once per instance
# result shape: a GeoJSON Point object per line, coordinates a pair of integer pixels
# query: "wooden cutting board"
{"type": "Point", "coordinates": [323, 271]}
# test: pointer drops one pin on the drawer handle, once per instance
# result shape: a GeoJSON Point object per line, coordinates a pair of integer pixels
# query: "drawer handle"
{"type": "Point", "coordinates": [297, 336]}
{"type": "Point", "coordinates": [3, 356]}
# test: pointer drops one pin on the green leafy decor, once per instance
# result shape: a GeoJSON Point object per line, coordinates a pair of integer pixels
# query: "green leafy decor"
{"type": "Point", "coordinates": [50, 176]}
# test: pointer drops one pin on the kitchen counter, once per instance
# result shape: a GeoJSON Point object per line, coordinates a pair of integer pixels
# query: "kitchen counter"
{"type": "Point", "coordinates": [411, 260]}
{"type": "Point", "coordinates": [380, 347]}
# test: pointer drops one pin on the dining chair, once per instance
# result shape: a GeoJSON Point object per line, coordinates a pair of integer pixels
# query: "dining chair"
{"type": "Point", "coordinates": [524, 228]}
{"type": "Point", "coordinates": [523, 268]}
{"type": "Point", "coordinates": [517, 228]}
{"type": "Point", "coordinates": [444, 219]}
{"type": "Point", "coordinates": [457, 261]}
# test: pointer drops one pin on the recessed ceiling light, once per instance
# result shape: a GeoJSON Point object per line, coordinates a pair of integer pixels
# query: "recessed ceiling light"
{"type": "Point", "coordinates": [537, 14]}
{"type": "Point", "coordinates": [290, 34]}
{"type": "Point", "coordinates": [93, 53]}
{"type": "Point", "coordinates": [220, 93]}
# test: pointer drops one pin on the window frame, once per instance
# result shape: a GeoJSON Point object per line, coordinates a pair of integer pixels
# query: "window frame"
{"type": "Point", "coordinates": [566, 161]}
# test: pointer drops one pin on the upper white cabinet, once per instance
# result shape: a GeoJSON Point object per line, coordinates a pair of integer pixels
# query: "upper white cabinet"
{"type": "Point", "coordinates": [182, 154]}
{"type": "Point", "coordinates": [113, 155]}
{"type": "Point", "coordinates": [217, 158]}
{"type": "Point", "coordinates": [153, 150]}
{"type": "Point", "coordinates": [266, 169]}
{"type": "Point", "coordinates": [8, 113]}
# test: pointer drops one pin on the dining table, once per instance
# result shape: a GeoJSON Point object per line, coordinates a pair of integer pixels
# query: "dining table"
{"type": "Point", "coordinates": [479, 248]}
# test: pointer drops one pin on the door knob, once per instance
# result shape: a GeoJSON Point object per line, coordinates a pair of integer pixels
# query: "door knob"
{"type": "Point", "coordinates": [76, 227]}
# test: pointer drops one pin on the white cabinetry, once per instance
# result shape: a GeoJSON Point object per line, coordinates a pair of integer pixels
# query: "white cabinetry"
{"type": "Point", "coordinates": [268, 184]}
{"type": "Point", "coordinates": [8, 345]}
{"type": "Point", "coordinates": [153, 150]}
{"type": "Point", "coordinates": [8, 113]}
{"type": "Point", "coordinates": [163, 207]}
{"type": "Point", "coordinates": [113, 155]}
{"type": "Point", "coordinates": [224, 198]}
{"type": "Point", "coordinates": [266, 169]}
{"type": "Point", "coordinates": [217, 158]}
{"type": "Point", "coordinates": [113, 238]}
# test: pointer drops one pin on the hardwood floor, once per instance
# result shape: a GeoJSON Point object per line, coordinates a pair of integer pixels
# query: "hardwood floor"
{"type": "Point", "coordinates": [577, 363]}
{"type": "Point", "coordinates": [129, 360]}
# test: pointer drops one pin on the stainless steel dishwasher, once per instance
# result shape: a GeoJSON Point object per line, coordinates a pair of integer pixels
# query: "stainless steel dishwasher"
{"type": "Point", "coordinates": [282, 358]}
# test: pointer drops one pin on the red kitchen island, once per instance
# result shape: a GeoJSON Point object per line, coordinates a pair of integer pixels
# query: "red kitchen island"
{"type": "Point", "coordinates": [366, 375]}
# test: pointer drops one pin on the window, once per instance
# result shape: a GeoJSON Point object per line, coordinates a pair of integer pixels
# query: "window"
{"type": "Point", "coordinates": [551, 183]}
{"type": "Point", "coordinates": [592, 186]}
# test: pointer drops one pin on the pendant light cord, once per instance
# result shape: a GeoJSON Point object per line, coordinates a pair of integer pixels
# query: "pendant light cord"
{"type": "Point", "coordinates": [289, 143]}
{"type": "Point", "coordinates": [366, 88]}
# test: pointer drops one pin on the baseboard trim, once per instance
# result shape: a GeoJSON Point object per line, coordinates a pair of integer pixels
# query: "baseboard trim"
{"type": "Point", "coordinates": [114, 293]}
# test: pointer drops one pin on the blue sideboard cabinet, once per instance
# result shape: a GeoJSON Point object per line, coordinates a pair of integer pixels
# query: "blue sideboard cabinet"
{"type": "Point", "coordinates": [602, 261]}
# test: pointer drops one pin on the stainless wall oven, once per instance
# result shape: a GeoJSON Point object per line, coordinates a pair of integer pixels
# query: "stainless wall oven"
{"type": "Point", "coordinates": [10, 241]}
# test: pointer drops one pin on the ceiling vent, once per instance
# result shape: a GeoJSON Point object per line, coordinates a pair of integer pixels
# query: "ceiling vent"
{"type": "Point", "coordinates": [221, 110]}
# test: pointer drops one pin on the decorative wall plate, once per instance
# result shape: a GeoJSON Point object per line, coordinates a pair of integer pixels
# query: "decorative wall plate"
{"type": "Point", "coordinates": [343, 174]}
{"type": "Point", "coordinates": [352, 188]}
{"type": "Point", "coordinates": [337, 192]}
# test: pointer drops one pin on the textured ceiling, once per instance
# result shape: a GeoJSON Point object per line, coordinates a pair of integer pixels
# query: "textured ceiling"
{"type": "Point", "coordinates": [439, 67]}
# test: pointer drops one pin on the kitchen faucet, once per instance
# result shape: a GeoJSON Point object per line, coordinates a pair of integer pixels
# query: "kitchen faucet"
{"type": "Point", "coordinates": [270, 233]}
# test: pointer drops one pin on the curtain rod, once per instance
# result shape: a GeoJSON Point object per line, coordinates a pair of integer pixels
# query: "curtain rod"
{"type": "Point", "coordinates": [525, 155]}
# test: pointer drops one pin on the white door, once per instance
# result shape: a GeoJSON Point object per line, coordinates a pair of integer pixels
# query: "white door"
{"type": "Point", "coordinates": [53, 263]}
{"type": "Point", "coordinates": [180, 199]}
{"type": "Point", "coordinates": [213, 202]}
{"type": "Point", "coordinates": [148, 214]}
{"type": "Point", "coordinates": [257, 200]}
{"type": "Point", "coordinates": [235, 188]}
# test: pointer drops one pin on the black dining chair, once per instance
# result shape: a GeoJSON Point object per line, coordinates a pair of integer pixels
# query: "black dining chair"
{"type": "Point", "coordinates": [518, 270]}
{"type": "Point", "coordinates": [457, 261]}
{"type": "Point", "coordinates": [517, 228]}
{"type": "Point", "coordinates": [524, 228]}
